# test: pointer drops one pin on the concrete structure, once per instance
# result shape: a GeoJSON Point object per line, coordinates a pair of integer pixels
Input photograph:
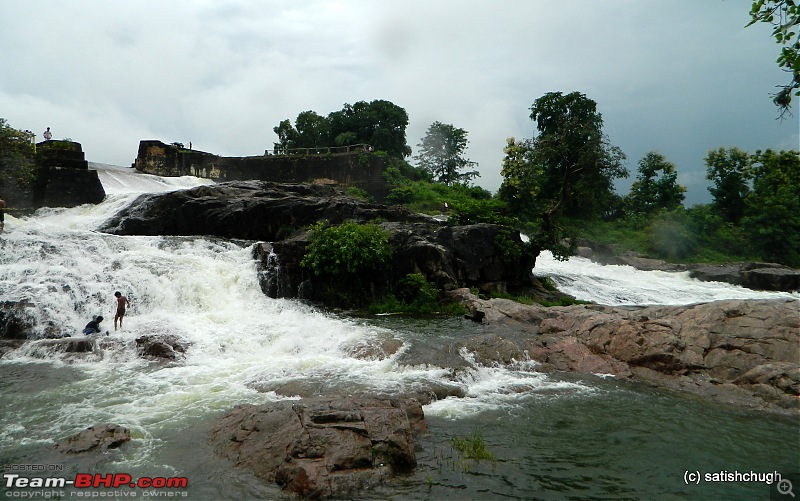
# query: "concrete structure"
{"type": "Point", "coordinates": [58, 176]}
{"type": "Point", "coordinates": [346, 166]}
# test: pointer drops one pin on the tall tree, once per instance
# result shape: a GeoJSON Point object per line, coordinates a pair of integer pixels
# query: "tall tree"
{"type": "Point", "coordinates": [772, 214]}
{"type": "Point", "coordinates": [578, 163]}
{"type": "Point", "coordinates": [379, 123]}
{"type": "Point", "coordinates": [442, 154]}
{"type": "Point", "coordinates": [656, 185]}
{"type": "Point", "coordinates": [784, 17]}
{"type": "Point", "coordinates": [731, 171]}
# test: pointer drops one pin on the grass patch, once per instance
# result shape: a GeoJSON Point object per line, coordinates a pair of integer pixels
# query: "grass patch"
{"type": "Point", "coordinates": [473, 448]}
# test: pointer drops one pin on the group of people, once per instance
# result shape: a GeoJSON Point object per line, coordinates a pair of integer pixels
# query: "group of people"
{"type": "Point", "coordinates": [93, 327]}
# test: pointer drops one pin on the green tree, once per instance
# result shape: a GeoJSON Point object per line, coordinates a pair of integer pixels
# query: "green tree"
{"type": "Point", "coordinates": [578, 163]}
{"type": "Point", "coordinates": [656, 186]}
{"type": "Point", "coordinates": [784, 17]}
{"type": "Point", "coordinates": [772, 215]}
{"type": "Point", "coordinates": [16, 154]}
{"type": "Point", "coordinates": [287, 135]}
{"type": "Point", "coordinates": [521, 176]}
{"type": "Point", "coordinates": [442, 154]}
{"type": "Point", "coordinates": [14, 143]}
{"type": "Point", "coordinates": [731, 171]}
{"type": "Point", "coordinates": [313, 131]}
{"type": "Point", "coordinates": [310, 130]}
{"type": "Point", "coordinates": [379, 123]}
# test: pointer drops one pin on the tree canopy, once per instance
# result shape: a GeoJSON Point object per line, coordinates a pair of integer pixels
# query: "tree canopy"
{"type": "Point", "coordinates": [442, 154]}
{"type": "Point", "coordinates": [379, 123]}
{"type": "Point", "coordinates": [14, 144]}
{"type": "Point", "coordinates": [730, 171]}
{"type": "Point", "coordinates": [656, 185]}
{"type": "Point", "coordinates": [772, 208]}
{"type": "Point", "coordinates": [569, 166]}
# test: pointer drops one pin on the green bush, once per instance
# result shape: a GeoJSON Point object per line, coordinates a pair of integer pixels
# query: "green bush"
{"type": "Point", "coordinates": [359, 194]}
{"type": "Point", "coordinates": [347, 249]}
{"type": "Point", "coordinates": [510, 250]}
{"type": "Point", "coordinates": [415, 295]}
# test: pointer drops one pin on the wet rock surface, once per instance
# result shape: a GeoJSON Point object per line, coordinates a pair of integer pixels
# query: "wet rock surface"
{"type": "Point", "coordinates": [96, 438]}
{"type": "Point", "coordinates": [751, 347]}
{"type": "Point", "coordinates": [322, 447]}
{"type": "Point", "coordinates": [161, 346]}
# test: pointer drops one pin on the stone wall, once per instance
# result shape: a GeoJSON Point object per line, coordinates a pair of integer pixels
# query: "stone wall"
{"type": "Point", "coordinates": [359, 169]}
{"type": "Point", "coordinates": [58, 177]}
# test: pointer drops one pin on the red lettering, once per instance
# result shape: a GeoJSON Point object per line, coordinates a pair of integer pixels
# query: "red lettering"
{"type": "Point", "coordinates": [178, 482]}
{"type": "Point", "coordinates": [103, 480]}
{"type": "Point", "coordinates": [83, 480]}
{"type": "Point", "coordinates": [122, 479]}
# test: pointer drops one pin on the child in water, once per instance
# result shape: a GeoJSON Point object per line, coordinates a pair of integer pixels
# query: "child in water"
{"type": "Point", "coordinates": [122, 303]}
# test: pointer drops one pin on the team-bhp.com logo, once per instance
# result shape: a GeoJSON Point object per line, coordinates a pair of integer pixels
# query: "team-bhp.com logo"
{"type": "Point", "coordinates": [95, 481]}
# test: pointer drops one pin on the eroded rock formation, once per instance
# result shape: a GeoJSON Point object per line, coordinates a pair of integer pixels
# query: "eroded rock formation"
{"type": "Point", "coordinates": [743, 351]}
{"type": "Point", "coordinates": [322, 447]}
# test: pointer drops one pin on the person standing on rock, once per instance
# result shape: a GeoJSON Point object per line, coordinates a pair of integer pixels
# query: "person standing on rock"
{"type": "Point", "coordinates": [122, 303]}
{"type": "Point", "coordinates": [47, 134]}
{"type": "Point", "coordinates": [2, 214]}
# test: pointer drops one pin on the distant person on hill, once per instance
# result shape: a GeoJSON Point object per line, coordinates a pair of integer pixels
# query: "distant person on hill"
{"type": "Point", "coordinates": [47, 134]}
{"type": "Point", "coordinates": [122, 303]}
{"type": "Point", "coordinates": [93, 327]}
{"type": "Point", "coordinates": [2, 214]}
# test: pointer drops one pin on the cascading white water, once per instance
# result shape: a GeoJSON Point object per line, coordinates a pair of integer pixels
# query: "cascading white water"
{"type": "Point", "coordinates": [203, 290]}
{"type": "Point", "coordinates": [623, 285]}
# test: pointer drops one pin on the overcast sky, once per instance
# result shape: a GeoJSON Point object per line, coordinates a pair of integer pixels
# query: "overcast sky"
{"type": "Point", "coordinates": [679, 77]}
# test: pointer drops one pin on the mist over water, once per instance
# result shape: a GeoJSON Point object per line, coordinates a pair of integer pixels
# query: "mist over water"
{"type": "Point", "coordinates": [242, 345]}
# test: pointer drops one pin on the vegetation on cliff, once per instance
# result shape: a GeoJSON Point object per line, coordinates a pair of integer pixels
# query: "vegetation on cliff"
{"type": "Point", "coordinates": [17, 155]}
{"type": "Point", "coordinates": [350, 260]}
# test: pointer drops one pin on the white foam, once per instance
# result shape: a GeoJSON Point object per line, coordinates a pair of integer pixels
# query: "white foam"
{"type": "Point", "coordinates": [624, 285]}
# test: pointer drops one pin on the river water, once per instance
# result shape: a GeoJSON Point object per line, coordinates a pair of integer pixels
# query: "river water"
{"type": "Point", "coordinates": [554, 436]}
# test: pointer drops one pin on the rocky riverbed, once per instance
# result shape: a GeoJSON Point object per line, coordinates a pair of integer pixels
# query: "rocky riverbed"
{"type": "Point", "coordinates": [743, 352]}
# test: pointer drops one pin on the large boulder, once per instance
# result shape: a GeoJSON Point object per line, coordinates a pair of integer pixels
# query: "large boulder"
{"type": "Point", "coordinates": [250, 210]}
{"type": "Point", "coordinates": [449, 256]}
{"type": "Point", "coordinates": [322, 447]}
{"type": "Point", "coordinates": [480, 255]}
